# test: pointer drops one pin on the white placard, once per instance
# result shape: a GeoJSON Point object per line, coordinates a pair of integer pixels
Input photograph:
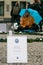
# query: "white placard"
{"type": "Point", "coordinates": [17, 49]}
{"type": "Point", "coordinates": [3, 27]}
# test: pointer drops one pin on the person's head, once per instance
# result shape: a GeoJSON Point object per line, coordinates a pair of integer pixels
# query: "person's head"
{"type": "Point", "coordinates": [27, 13]}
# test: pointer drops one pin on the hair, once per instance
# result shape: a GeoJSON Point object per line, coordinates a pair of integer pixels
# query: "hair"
{"type": "Point", "coordinates": [27, 12]}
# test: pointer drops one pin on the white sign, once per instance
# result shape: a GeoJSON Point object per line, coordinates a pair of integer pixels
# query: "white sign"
{"type": "Point", "coordinates": [3, 27]}
{"type": "Point", "coordinates": [17, 49]}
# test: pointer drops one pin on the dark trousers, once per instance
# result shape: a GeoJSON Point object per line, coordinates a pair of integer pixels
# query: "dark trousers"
{"type": "Point", "coordinates": [40, 25]}
{"type": "Point", "coordinates": [34, 27]}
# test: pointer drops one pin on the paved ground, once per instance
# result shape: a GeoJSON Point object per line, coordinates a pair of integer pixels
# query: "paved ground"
{"type": "Point", "coordinates": [28, 36]}
{"type": "Point", "coordinates": [35, 54]}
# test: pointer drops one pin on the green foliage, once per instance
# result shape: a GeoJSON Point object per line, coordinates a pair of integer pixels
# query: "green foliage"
{"type": "Point", "coordinates": [35, 40]}
{"type": "Point", "coordinates": [3, 40]}
{"type": "Point", "coordinates": [28, 40]}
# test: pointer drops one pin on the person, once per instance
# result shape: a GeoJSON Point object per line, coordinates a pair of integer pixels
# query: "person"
{"type": "Point", "coordinates": [30, 5]}
{"type": "Point", "coordinates": [27, 22]}
{"type": "Point", "coordinates": [15, 17]}
{"type": "Point", "coordinates": [37, 5]}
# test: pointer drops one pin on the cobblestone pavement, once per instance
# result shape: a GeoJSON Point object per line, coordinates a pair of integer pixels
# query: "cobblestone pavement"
{"type": "Point", "coordinates": [28, 36]}
{"type": "Point", "coordinates": [35, 54]}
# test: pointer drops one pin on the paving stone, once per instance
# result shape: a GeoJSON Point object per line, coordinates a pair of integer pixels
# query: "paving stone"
{"type": "Point", "coordinates": [12, 64]}
{"type": "Point", "coordinates": [5, 64]}
{"type": "Point", "coordinates": [4, 54]}
{"type": "Point", "coordinates": [0, 63]}
{"type": "Point", "coordinates": [35, 54]}
{"type": "Point", "coordinates": [0, 51]}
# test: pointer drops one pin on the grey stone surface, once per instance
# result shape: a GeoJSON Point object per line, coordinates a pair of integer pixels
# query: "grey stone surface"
{"type": "Point", "coordinates": [0, 51]}
{"type": "Point", "coordinates": [28, 36]}
{"type": "Point", "coordinates": [0, 62]}
{"type": "Point", "coordinates": [4, 53]}
{"type": "Point", "coordinates": [35, 54]}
